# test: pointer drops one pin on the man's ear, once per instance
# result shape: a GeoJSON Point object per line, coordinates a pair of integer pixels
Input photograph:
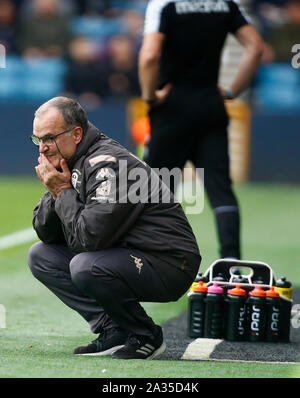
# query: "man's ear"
{"type": "Point", "coordinates": [77, 134]}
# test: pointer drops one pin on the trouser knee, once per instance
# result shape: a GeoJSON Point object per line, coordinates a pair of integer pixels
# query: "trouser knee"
{"type": "Point", "coordinates": [97, 285]}
{"type": "Point", "coordinates": [34, 258]}
{"type": "Point", "coordinates": [80, 269]}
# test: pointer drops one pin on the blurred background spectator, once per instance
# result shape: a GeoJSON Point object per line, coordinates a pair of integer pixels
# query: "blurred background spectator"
{"type": "Point", "coordinates": [268, 14]}
{"type": "Point", "coordinates": [8, 25]}
{"type": "Point", "coordinates": [280, 39]}
{"type": "Point", "coordinates": [91, 7]}
{"type": "Point", "coordinates": [83, 72]}
{"type": "Point", "coordinates": [44, 31]}
{"type": "Point", "coordinates": [118, 71]}
{"type": "Point", "coordinates": [67, 8]}
{"type": "Point", "coordinates": [133, 25]}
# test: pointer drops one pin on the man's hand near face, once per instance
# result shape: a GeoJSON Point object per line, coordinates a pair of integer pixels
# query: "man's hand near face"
{"type": "Point", "coordinates": [54, 180]}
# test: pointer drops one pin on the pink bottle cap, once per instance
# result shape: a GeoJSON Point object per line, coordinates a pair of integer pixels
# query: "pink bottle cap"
{"type": "Point", "coordinates": [215, 288]}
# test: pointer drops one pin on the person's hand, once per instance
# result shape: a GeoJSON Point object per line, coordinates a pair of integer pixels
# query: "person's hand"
{"type": "Point", "coordinates": [54, 180]}
{"type": "Point", "coordinates": [222, 91]}
{"type": "Point", "coordinates": [226, 93]}
{"type": "Point", "coordinates": [162, 94]}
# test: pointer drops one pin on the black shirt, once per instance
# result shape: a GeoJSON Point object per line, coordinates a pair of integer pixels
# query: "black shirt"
{"type": "Point", "coordinates": [195, 34]}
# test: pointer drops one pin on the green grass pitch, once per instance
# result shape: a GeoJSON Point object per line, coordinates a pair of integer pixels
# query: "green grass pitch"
{"type": "Point", "coordinates": [41, 332]}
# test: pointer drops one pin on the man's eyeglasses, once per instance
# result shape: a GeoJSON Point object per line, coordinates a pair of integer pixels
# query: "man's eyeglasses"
{"type": "Point", "coordinates": [48, 139]}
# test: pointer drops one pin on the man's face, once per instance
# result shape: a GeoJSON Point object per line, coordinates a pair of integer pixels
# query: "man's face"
{"type": "Point", "coordinates": [49, 124]}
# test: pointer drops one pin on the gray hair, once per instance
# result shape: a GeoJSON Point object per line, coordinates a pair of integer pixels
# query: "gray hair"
{"type": "Point", "coordinates": [71, 111]}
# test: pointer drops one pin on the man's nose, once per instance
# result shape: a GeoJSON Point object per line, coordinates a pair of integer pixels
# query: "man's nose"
{"type": "Point", "coordinates": [43, 147]}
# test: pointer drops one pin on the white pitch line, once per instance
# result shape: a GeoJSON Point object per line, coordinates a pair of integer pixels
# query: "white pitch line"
{"type": "Point", "coordinates": [200, 349]}
{"type": "Point", "coordinates": [250, 361]}
{"type": "Point", "coordinates": [17, 238]}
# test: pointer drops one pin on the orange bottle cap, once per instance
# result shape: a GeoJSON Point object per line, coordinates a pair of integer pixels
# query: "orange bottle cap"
{"type": "Point", "coordinates": [200, 287]}
{"type": "Point", "coordinates": [272, 292]}
{"type": "Point", "coordinates": [258, 291]}
{"type": "Point", "coordinates": [237, 291]}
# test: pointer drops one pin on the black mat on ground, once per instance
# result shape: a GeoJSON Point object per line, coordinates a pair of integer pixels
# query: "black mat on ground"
{"type": "Point", "coordinates": [175, 333]}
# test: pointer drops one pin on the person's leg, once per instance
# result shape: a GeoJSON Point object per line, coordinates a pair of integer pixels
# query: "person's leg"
{"type": "Point", "coordinates": [119, 279]}
{"type": "Point", "coordinates": [50, 264]}
{"type": "Point", "coordinates": [169, 144]}
{"type": "Point", "coordinates": [211, 153]}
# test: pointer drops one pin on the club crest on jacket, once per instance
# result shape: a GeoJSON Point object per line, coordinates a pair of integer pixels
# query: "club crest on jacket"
{"type": "Point", "coordinates": [75, 180]}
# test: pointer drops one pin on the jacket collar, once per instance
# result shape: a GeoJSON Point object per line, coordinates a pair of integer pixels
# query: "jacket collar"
{"type": "Point", "coordinates": [91, 136]}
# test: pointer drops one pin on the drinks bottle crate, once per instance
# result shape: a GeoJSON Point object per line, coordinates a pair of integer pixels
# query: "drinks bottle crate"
{"type": "Point", "coordinates": [246, 314]}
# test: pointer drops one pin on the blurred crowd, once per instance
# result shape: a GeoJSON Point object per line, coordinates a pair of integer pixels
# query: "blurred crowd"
{"type": "Point", "coordinates": [99, 40]}
{"type": "Point", "coordinates": [279, 23]}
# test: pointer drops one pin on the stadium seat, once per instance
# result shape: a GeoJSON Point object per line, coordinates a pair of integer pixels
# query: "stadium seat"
{"type": "Point", "coordinates": [277, 87]}
{"type": "Point", "coordinates": [30, 80]}
{"type": "Point", "coordinates": [129, 5]}
{"type": "Point", "coordinates": [43, 78]}
{"type": "Point", "coordinates": [11, 79]}
{"type": "Point", "coordinates": [96, 27]}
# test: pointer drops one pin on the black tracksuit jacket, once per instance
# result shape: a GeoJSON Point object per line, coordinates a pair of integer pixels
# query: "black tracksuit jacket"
{"type": "Point", "coordinates": [92, 215]}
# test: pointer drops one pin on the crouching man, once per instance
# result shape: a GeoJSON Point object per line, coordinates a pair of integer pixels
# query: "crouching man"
{"type": "Point", "coordinates": [104, 246]}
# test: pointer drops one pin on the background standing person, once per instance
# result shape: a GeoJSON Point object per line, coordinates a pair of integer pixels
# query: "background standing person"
{"type": "Point", "coordinates": [45, 32]}
{"type": "Point", "coordinates": [103, 250]}
{"type": "Point", "coordinates": [178, 69]}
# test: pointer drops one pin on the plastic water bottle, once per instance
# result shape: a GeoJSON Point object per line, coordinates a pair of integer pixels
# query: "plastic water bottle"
{"type": "Point", "coordinates": [240, 279]}
{"type": "Point", "coordinates": [200, 277]}
{"type": "Point", "coordinates": [258, 281]}
{"type": "Point", "coordinates": [272, 315]}
{"type": "Point", "coordinates": [220, 278]}
{"type": "Point", "coordinates": [196, 310]}
{"type": "Point", "coordinates": [284, 288]}
{"type": "Point", "coordinates": [256, 311]}
{"type": "Point", "coordinates": [236, 314]}
{"type": "Point", "coordinates": [214, 312]}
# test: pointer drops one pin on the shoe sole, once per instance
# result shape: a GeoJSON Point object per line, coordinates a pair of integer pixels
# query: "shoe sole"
{"type": "Point", "coordinates": [158, 352]}
{"type": "Point", "coordinates": [102, 353]}
{"type": "Point", "coordinates": [155, 354]}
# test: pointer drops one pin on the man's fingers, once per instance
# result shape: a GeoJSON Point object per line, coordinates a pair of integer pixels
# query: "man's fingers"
{"type": "Point", "coordinates": [64, 166]}
{"type": "Point", "coordinates": [37, 170]}
{"type": "Point", "coordinates": [45, 160]}
{"type": "Point", "coordinates": [47, 164]}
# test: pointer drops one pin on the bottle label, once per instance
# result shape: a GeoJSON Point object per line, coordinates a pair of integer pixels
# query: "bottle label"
{"type": "Point", "coordinates": [255, 320]}
{"type": "Point", "coordinates": [241, 329]}
{"type": "Point", "coordinates": [275, 320]}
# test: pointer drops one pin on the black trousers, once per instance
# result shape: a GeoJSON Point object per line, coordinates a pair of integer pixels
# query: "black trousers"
{"type": "Point", "coordinates": [192, 125]}
{"type": "Point", "coordinates": [106, 287]}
